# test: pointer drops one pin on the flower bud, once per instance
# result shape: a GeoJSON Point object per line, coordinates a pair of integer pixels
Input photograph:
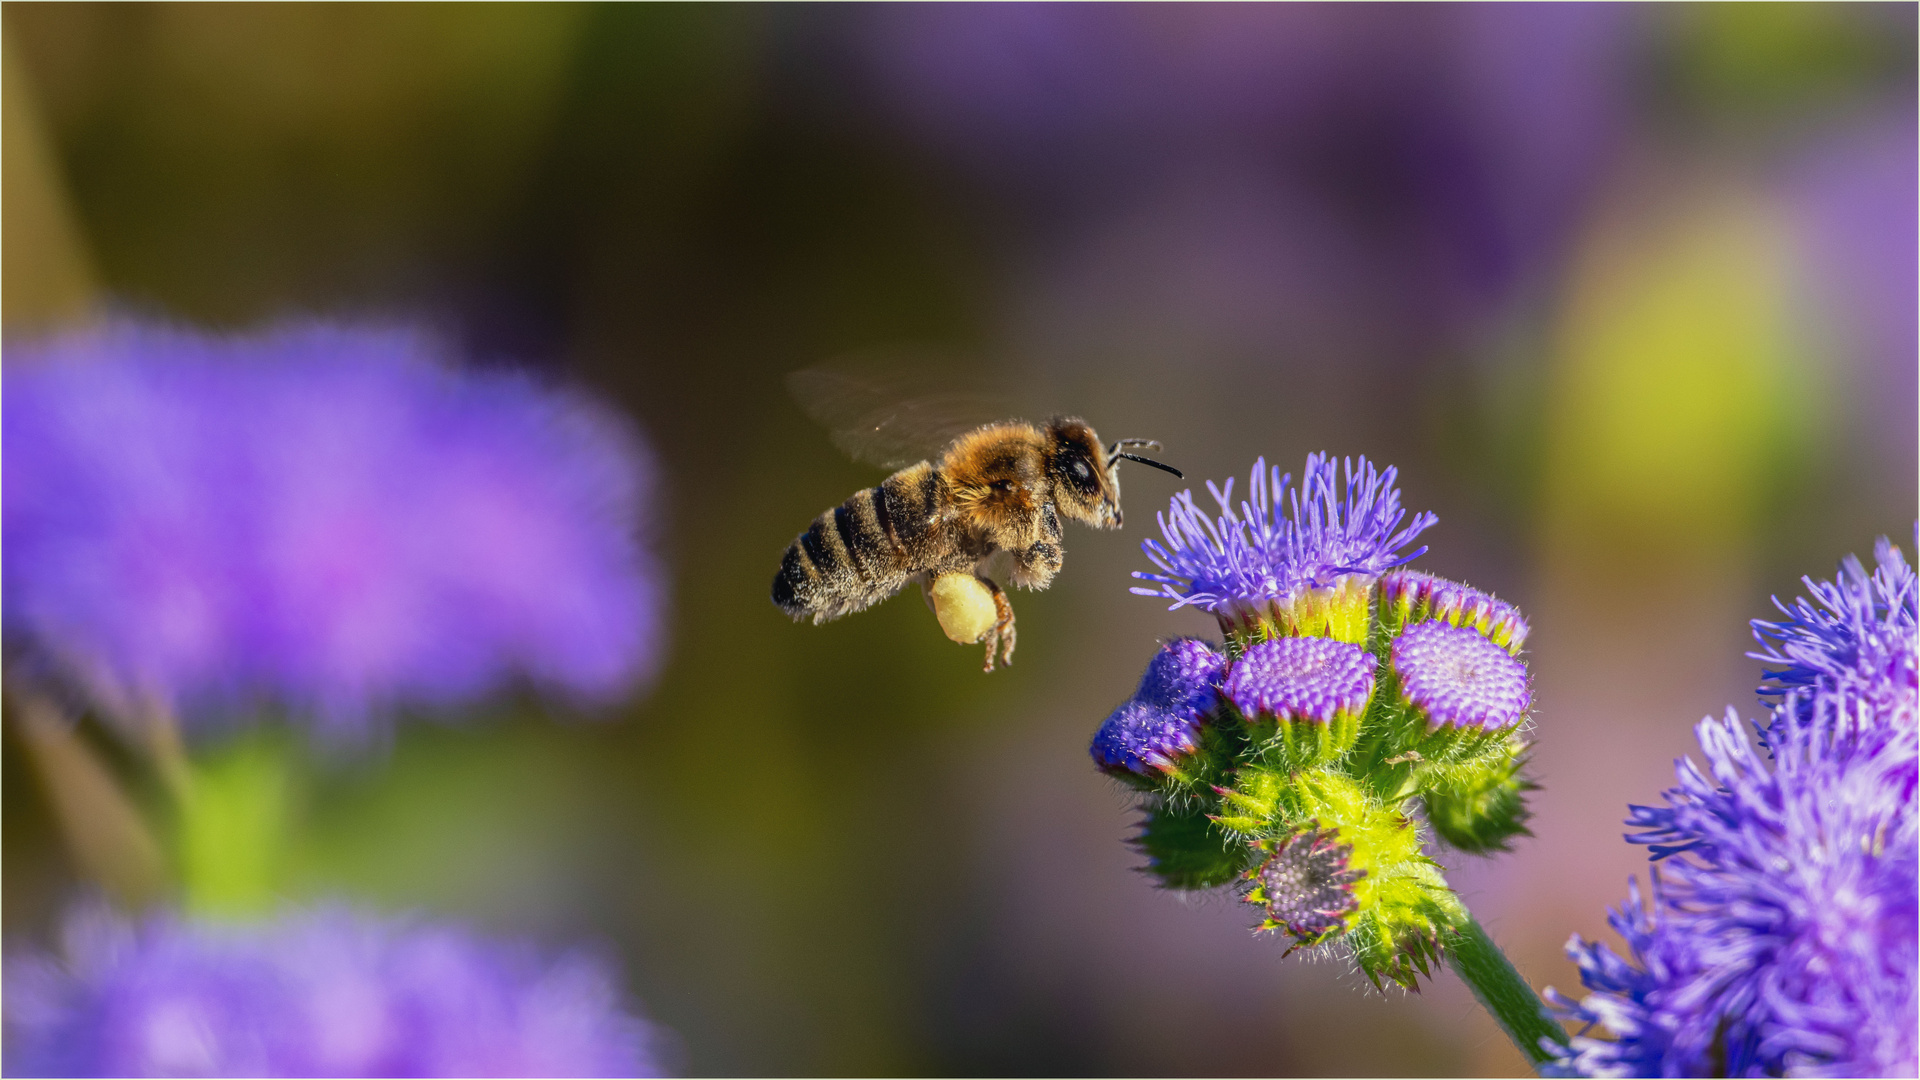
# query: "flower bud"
{"type": "Point", "coordinates": [1342, 867]}
{"type": "Point", "coordinates": [1481, 807]}
{"type": "Point", "coordinates": [1409, 596]}
{"type": "Point", "coordinates": [1158, 729]}
{"type": "Point", "coordinates": [1458, 693]}
{"type": "Point", "coordinates": [1302, 697]}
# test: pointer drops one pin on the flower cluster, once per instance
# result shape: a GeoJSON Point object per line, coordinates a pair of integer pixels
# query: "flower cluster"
{"type": "Point", "coordinates": [326, 992]}
{"type": "Point", "coordinates": [1780, 936]}
{"type": "Point", "coordinates": [1346, 692]}
{"type": "Point", "coordinates": [333, 520]}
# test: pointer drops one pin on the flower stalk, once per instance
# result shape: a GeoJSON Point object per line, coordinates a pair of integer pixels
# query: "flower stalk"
{"type": "Point", "coordinates": [1503, 993]}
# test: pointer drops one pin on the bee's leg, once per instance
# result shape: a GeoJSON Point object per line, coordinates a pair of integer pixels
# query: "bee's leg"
{"type": "Point", "coordinates": [926, 590]}
{"type": "Point", "coordinates": [1000, 635]}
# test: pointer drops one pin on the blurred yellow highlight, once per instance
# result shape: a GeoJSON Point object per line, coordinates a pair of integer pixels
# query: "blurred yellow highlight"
{"type": "Point", "coordinates": [1678, 381]}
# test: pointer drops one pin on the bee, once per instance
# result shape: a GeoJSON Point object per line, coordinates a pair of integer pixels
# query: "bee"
{"type": "Point", "coordinates": [1001, 487]}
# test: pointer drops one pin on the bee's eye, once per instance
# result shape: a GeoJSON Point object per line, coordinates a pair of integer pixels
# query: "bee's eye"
{"type": "Point", "coordinates": [1080, 470]}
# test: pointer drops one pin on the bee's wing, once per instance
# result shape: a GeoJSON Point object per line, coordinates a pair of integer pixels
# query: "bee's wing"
{"type": "Point", "coordinates": [890, 418]}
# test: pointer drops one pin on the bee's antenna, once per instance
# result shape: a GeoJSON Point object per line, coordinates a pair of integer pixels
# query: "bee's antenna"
{"type": "Point", "coordinates": [1144, 444]}
{"type": "Point", "coordinates": [1149, 461]}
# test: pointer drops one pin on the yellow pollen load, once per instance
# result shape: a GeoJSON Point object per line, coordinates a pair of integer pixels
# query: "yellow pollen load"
{"type": "Point", "coordinates": [964, 606]}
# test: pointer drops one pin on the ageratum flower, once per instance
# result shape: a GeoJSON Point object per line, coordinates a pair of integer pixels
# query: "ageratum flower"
{"type": "Point", "coordinates": [1781, 940]}
{"type": "Point", "coordinates": [1294, 562]}
{"type": "Point", "coordinates": [326, 992]}
{"type": "Point", "coordinates": [1856, 637]}
{"type": "Point", "coordinates": [1312, 691]}
{"type": "Point", "coordinates": [1409, 596]}
{"type": "Point", "coordinates": [1160, 725]}
{"type": "Point", "coordinates": [334, 519]}
{"type": "Point", "coordinates": [1454, 677]}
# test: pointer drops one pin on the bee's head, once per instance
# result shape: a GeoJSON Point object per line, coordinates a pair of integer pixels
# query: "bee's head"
{"type": "Point", "coordinates": [1086, 475]}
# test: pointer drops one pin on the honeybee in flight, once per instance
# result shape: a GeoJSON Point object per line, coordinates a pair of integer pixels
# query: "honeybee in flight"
{"type": "Point", "coordinates": [997, 487]}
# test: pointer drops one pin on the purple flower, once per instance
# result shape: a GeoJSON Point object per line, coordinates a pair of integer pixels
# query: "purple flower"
{"type": "Point", "coordinates": [1856, 637]}
{"type": "Point", "coordinates": [1183, 676]}
{"type": "Point", "coordinates": [320, 993]}
{"type": "Point", "coordinates": [1160, 724]}
{"type": "Point", "coordinates": [1454, 677]}
{"type": "Point", "coordinates": [333, 519]}
{"type": "Point", "coordinates": [1408, 596]}
{"type": "Point", "coordinates": [1781, 936]}
{"type": "Point", "coordinates": [1144, 738]}
{"type": "Point", "coordinates": [1264, 560]}
{"type": "Point", "coordinates": [1309, 680]}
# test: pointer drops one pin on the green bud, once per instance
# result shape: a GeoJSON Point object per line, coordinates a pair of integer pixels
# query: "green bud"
{"type": "Point", "coordinates": [1338, 865]}
{"type": "Point", "coordinates": [1479, 808]}
{"type": "Point", "coordinates": [1186, 849]}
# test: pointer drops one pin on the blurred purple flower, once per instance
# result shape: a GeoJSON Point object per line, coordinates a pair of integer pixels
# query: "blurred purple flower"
{"type": "Point", "coordinates": [320, 993]}
{"type": "Point", "coordinates": [1783, 940]}
{"type": "Point", "coordinates": [1857, 637]}
{"type": "Point", "coordinates": [1270, 549]}
{"type": "Point", "coordinates": [331, 518]}
{"type": "Point", "coordinates": [1781, 937]}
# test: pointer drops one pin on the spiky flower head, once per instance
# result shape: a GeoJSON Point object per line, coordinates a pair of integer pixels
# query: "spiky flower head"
{"type": "Point", "coordinates": [1856, 638]}
{"type": "Point", "coordinates": [327, 992]}
{"type": "Point", "coordinates": [1780, 936]}
{"type": "Point", "coordinates": [1286, 561]}
{"type": "Point", "coordinates": [1410, 596]}
{"type": "Point", "coordinates": [1454, 677]}
{"type": "Point", "coordinates": [1306, 885]}
{"type": "Point", "coordinates": [334, 520]}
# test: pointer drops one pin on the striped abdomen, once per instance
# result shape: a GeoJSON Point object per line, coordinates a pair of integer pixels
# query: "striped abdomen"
{"type": "Point", "coordinates": [862, 551]}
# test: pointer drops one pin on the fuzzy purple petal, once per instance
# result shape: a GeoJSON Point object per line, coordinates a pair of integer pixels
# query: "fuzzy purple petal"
{"type": "Point", "coordinates": [1281, 540]}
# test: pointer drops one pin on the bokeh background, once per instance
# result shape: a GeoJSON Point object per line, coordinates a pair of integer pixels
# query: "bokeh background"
{"type": "Point", "coordinates": [1627, 293]}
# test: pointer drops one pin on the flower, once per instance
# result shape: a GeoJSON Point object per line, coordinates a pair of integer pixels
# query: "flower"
{"type": "Point", "coordinates": [1306, 885]}
{"type": "Point", "coordinates": [1453, 676]}
{"type": "Point", "coordinates": [330, 518]}
{"type": "Point", "coordinates": [1160, 725]}
{"type": "Point", "coordinates": [1784, 939]}
{"type": "Point", "coordinates": [1290, 563]}
{"type": "Point", "coordinates": [1856, 637]}
{"type": "Point", "coordinates": [1309, 680]}
{"type": "Point", "coordinates": [1144, 738]}
{"type": "Point", "coordinates": [323, 992]}
{"type": "Point", "coordinates": [1184, 676]}
{"type": "Point", "coordinates": [1408, 596]}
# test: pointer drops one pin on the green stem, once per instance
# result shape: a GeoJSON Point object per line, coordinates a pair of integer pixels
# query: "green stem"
{"type": "Point", "coordinates": [1501, 990]}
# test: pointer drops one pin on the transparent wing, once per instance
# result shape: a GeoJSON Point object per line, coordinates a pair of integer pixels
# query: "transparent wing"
{"type": "Point", "coordinates": [891, 411]}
